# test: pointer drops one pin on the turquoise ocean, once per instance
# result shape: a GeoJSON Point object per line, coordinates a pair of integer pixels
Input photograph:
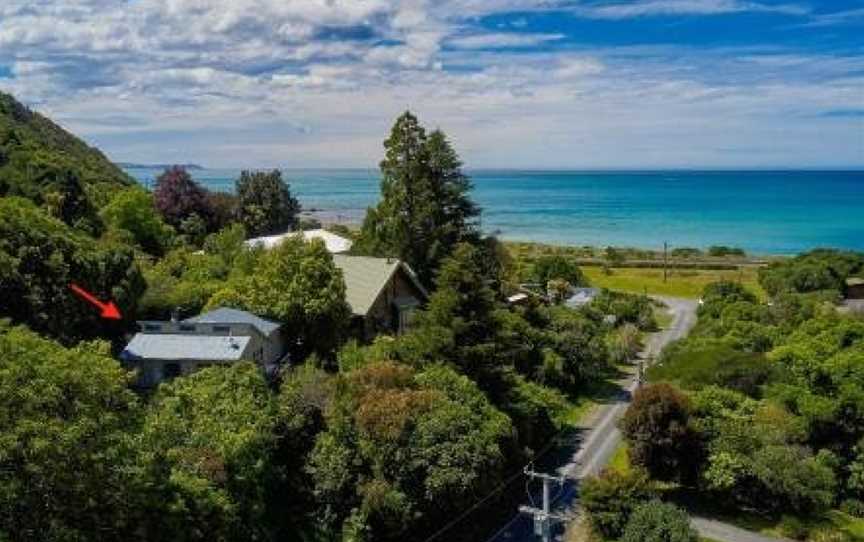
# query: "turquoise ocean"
{"type": "Point", "coordinates": [764, 212]}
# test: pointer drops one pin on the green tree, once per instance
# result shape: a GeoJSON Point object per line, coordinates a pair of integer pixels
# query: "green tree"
{"type": "Point", "coordinates": [227, 243]}
{"type": "Point", "coordinates": [297, 284]}
{"type": "Point", "coordinates": [42, 162]}
{"type": "Point", "coordinates": [264, 203]}
{"type": "Point", "coordinates": [207, 456]}
{"type": "Point", "coordinates": [557, 267]}
{"type": "Point", "coordinates": [465, 304]}
{"type": "Point", "coordinates": [656, 521]}
{"type": "Point", "coordinates": [133, 210]}
{"type": "Point", "coordinates": [406, 450]}
{"type": "Point", "coordinates": [610, 499]}
{"type": "Point", "coordinates": [65, 453]}
{"type": "Point", "coordinates": [657, 429]}
{"type": "Point", "coordinates": [424, 209]}
{"type": "Point", "coordinates": [39, 258]}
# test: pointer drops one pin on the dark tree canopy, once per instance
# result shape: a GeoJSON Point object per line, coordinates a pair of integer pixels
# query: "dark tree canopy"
{"type": "Point", "coordinates": [424, 209]}
{"type": "Point", "coordinates": [39, 258]}
{"type": "Point", "coordinates": [178, 197]}
{"type": "Point", "coordinates": [265, 204]}
{"type": "Point", "coordinates": [657, 429]}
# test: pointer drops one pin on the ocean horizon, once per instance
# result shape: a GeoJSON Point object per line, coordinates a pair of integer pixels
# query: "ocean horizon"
{"type": "Point", "coordinates": [766, 212]}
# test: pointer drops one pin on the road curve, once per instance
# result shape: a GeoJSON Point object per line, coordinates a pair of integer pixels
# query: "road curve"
{"type": "Point", "coordinates": [586, 452]}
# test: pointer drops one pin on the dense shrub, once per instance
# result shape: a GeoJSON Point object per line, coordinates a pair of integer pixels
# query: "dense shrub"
{"type": "Point", "coordinates": [611, 498]}
{"type": "Point", "coordinates": [659, 522]}
{"type": "Point", "coordinates": [658, 432]}
{"type": "Point", "coordinates": [810, 272]}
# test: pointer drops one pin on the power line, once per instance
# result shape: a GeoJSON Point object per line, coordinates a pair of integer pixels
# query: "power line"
{"type": "Point", "coordinates": [505, 483]}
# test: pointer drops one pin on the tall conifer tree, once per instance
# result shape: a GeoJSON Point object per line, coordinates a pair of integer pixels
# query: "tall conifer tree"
{"type": "Point", "coordinates": [425, 209]}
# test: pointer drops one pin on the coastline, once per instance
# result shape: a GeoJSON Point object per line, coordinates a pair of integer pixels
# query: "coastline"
{"type": "Point", "coordinates": [766, 213]}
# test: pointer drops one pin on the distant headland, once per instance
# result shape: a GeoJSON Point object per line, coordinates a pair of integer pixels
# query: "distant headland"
{"type": "Point", "coordinates": [129, 165]}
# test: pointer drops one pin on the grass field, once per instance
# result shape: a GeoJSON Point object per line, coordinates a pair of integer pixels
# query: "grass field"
{"type": "Point", "coordinates": [687, 283]}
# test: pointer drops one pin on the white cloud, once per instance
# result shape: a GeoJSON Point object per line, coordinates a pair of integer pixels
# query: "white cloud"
{"type": "Point", "coordinates": [624, 10]}
{"type": "Point", "coordinates": [852, 16]}
{"type": "Point", "coordinates": [502, 39]}
{"type": "Point", "coordinates": [317, 83]}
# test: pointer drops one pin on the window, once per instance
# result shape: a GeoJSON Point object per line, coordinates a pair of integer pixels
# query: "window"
{"type": "Point", "coordinates": [152, 327]}
{"type": "Point", "coordinates": [221, 329]}
{"type": "Point", "coordinates": [406, 318]}
{"type": "Point", "coordinates": [171, 370]}
{"type": "Point", "coordinates": [187, 327]}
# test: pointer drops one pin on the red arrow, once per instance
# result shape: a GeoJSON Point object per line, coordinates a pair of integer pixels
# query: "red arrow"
{"type": "Point", "coordinates": [109, 310]}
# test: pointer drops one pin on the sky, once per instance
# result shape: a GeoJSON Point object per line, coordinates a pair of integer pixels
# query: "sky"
{"type": "Point", "coordinates": [582, 84]}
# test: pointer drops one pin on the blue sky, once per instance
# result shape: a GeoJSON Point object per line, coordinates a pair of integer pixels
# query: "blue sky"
{"type": "Point", "coordinates": [515, 83]}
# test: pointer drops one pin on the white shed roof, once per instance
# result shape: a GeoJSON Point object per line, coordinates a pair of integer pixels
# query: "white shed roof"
{"type": "Point", "coordinates": [335, 244]}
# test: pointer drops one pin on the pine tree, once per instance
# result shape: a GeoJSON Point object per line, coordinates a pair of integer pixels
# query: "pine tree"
{"type": "Point", "coordinates": [425, 209]}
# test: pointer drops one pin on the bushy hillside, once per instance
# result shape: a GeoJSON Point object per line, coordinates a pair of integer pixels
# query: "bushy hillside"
{"type": "Point", "coordinates": [43, 162]}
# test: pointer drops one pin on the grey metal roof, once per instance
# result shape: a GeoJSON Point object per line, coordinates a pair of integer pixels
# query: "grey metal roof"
{"type": "Point", "coordinates": [225, 315]}
{"type": "Point", "coordinates": [185, 347]}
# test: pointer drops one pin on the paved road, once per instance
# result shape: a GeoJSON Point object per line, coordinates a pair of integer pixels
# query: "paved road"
{"type": "Point", "coordinates": [724, 532]}
{"type": "Point", "coordinates": [586, 451]}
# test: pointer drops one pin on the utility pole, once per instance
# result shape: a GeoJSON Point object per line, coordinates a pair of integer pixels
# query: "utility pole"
{"type": "Point", "coordinates": [665, 260]}
{"type": "Point", "coordinates": [543, 517]}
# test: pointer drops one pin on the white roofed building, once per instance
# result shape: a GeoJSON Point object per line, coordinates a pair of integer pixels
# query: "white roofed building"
{"type": "Point", "coordinates": [335, 244]}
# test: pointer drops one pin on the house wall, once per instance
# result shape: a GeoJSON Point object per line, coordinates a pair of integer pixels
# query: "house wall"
{"type": "Point", "coordinates": [855, 291]}
{"type": "Point", "coordinates": [381, 317]}
{"type": "Point", "coordinates": [259, 349]}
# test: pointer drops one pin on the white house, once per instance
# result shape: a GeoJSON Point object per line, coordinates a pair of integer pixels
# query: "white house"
{"type": "Point", "coordinates": [163, 350]}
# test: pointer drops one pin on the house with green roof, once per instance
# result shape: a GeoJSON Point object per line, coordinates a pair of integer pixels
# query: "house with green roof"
{"type": "Point", "coordinates": [384, 294]}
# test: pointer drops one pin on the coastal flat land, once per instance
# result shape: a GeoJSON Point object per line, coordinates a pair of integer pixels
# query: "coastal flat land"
{"type": "Point", "coordinates": [686, 283]}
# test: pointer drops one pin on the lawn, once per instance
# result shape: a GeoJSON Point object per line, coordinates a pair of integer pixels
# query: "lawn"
{"type": "Point", "coordinates": [687, 283]}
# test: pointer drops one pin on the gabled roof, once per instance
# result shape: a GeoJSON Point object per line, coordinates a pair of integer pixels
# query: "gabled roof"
{"type": "Point", "coordinates": [185, 347]}
{"type": "Point", "coordinates": [582, 296]}
{"type": "Point", "coordinates": [225, 315]}
{"type": "Point", "coordinates": [365, 279]}
{"type": "Point", "coordinates": [335, 244]}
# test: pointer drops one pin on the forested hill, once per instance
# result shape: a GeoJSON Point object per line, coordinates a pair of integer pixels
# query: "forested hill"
{"type": "Point", "coordinates": [43, 162]}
